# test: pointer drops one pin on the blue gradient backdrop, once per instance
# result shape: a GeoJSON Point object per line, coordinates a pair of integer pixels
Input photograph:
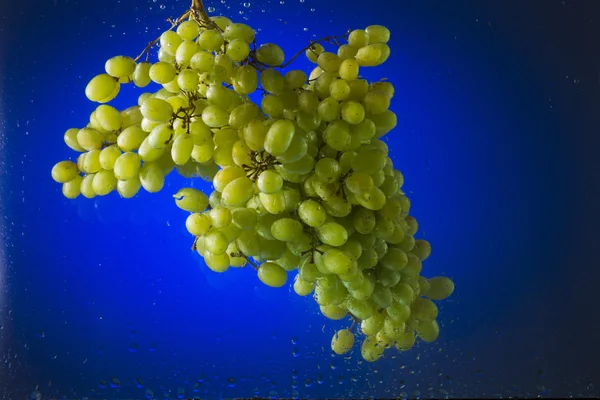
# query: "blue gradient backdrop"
{"type": "Point", "coordinates": [496, 139]}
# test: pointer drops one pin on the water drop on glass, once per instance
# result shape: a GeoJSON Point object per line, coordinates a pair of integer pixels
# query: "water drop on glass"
{"type": "Point", "coordinates": [247, 5]}
{"type": "Point", "coordinates": [312, 9]}
{"type": "Point", "coordinates": [231, 382]}
{"type": "Point", "coordinates": [162, 7]}
{"type": "Point", "coordinates": [211, 9]}
{"type": "Point", "coordinates": [294, 340]}
{"type": "Point", "coordinates": [305, 29]}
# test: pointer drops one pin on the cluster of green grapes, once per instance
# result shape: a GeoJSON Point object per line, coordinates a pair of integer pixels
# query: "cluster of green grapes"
{"type": "Point", "coordinates": [302, 181]}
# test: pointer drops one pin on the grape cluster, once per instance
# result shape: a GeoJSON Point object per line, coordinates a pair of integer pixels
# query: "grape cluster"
{"type": "Point", "coordinates": [302, 180]}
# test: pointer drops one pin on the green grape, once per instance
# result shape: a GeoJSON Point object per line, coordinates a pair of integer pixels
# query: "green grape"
{"type": "Point", "coordinates": [424, 309]}
{"type": "Point", "coordinates": [270, 54]}
{"type": "Point", "coordinates": [342, 341]}
{"type": "Point", "coordinates": [333, 312]}
{"type": "Point", "coordinates": [383, 340]}
{"type": "Point", "coordinates": [338, 207]}
{"type": "Point", "coordinates": [339, 89]}
{"type": "Point", "coordinates": [237, 50]}
{"type": "Point", "coordinates": [245, 218]}
{"type": "Point", "coordinates": [413, 225]}
{"type": "Point", "coordinates": [279, 137]}
{"type": "Point", "coordinates": [102, 88]}
{"type": "Point", "coordinates": [346, 52]}
{"type": "Point", "coordinates": [395, 259]}
{"type": "Point", "coordinates": [238, 191]}
{"type": "Point", "coordinates": [353, 112]}
{"type": "Point", "coordinates": [272, 275]}
{"type": "Point", "coordinates": [272, 106]}
{"type": "Point", "coordinates": [104, 182]}
{"type": "Point", "coordinates": [198, 224]}
{"type": "Point", "coordinates": [309, 272]}
{"type": "Point", "coordinates": [428, 331]}
{"type": "Point", "coordinates": [312, 213]}
{"type": "Point", "coordinates": [440, 288]}
{"type": "Point", "coordinates": [327, 169]}
{"type": "Point", "coordinates": [126, 166]}
{"type": "Point", "coordinates": [120, 66]}
{"type": "Point", "coordinates": [131, 116]}
{"type": "Point", "coordinates": [215, 117]}
{"type": "Point", "coordinates": [108, 117]}
{"type": "Point", "coordinates": [182, 149]}
{"type": "Point", "coordinates": [329, 109]}
{"type": "Point", "coordinates": [364, 220]}
{"type": "Point", "coordinates": [398, 312]}
{"type": "Point", "coordinates": [86, 186]}
{"type": "Point", "coordinates": [148, 153]}
{"type": "Point", "coordinates": [162, 72]}
{"type": "Point", "coordinates": [286, 229]}
{"type": "Point", "coordinates": [382, 296]}
{"type": "Point", "coordinates": [295, 79]}
{"type": "Point", "coordinates": [368, 56]}
{"type": "Point", "coordinates": [240, 32]}
{"type": "Point", "coordinates": [210, 40]}
{"type": "Point", "coordinates": [165, 57]}
{"type": "Point", "coordinates": [329, 62]}
{"type": "Point", "coordinates": [72, 189]}
{"type": "Point", "coordinates": [336, 261]}
{"type": "Point", "coordinates": [188, 30]}
{"type": "Point", "coordinates": [202, 61]}
{"type": "Point", "coordinates": [188, 80]}
{"type": "Point", "coordinates": [384, 122]}
{"type": "Point", "coordinates": [323, 83]}
{"type": "Point", "coordinates": [245, 80]}
{"type": "Point", "coordinates": [378, 34]}
{"type": "Point", "coordinates": [403, 293]}
{"type": "Point", "coordinates": [308, 102]}
{"type": "Point", "coordinates": [360, 309]}
{"type": "Point", "coordinates": [303, 288]}
{"type": "Point", "coordinates": [272, 81]}
{"type": "Point", "coordinates": [373, 324]}
{"type": "Point", "coordinates": [192, 200]}
{"type": "Point", "coordinates": [217, 262]}
{"type": "Point", "coordinates": [406, 340]}
{"type": "Point", "coordinates": [243, 114]}
{"type": "Point", "coordinates": [89, 139]}
{"type": "Point", "coordinates": [141, 74]}
{"type": "Point", "coordinates": [296, 151]}
{"type": "Point", "coordinates": [413, 266]}
{"type": "Point", "coordinates": [169, 41]}
{"type": "Point", "coordinates": [129, 188]}
{"type": "Point", "coordinates": [376, 102]}
{"type": "Point", "coordinates": [387, 277]}
{"type": "Point", "coordinates": [422, 249]}
{"type": "Point", "coordinates": [156, 110]}
{"type": "Point", "coordinates": [226, 175]}
{"type": "Point", "coordinates": [152, 177]}
{"type": "Point", "coordinates": [108, 157]}
{"type": "Point", "coordinates": [185, 52]}
{"type": "Point", "coordinates": [220, 217]}
{"type": "Point", "coordinates": [349, 70]}
{"type": "Point", "coordinates": [70, 138]}
{"type": "Point", "coordinates": [271, 249]}
{"type": "Point", "coordinates": [370, 349]}
{"type": "Point", "coordinates": [216, 242]}
{"type": "Point", "coordinates": [393, 329]}
{"type": "Point", "coordinates": [333, 234]}
{"type": "Point", "coordinates": [65, 171]}
{"type": "Point", "coordinates": [313, 52]}
{"type": "Point", "coordinates": [269, 181]}
{"type": "Point", "coordinates": [255, 134]}
{"type": "Point", "coordinates": [131, 138]}
{"type": "Point", "coordinates": [358, 38]}
{"type": "Point", "coordinates": [358, 89]}
{"type": "Point", "coordinates": [337, 136]}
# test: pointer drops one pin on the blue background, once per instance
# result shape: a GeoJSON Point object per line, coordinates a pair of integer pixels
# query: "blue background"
{"type": "Point", "coordinates": [497, 139]}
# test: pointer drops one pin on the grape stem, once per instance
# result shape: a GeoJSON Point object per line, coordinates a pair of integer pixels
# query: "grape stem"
{"type": "Point", "coordinates": [152, 43]}
{"type": "Point", "coordinates": [329, 39]}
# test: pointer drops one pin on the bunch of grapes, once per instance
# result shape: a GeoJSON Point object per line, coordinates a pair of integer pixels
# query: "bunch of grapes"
{"type": "Point", "coordinates": [302, 181]}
